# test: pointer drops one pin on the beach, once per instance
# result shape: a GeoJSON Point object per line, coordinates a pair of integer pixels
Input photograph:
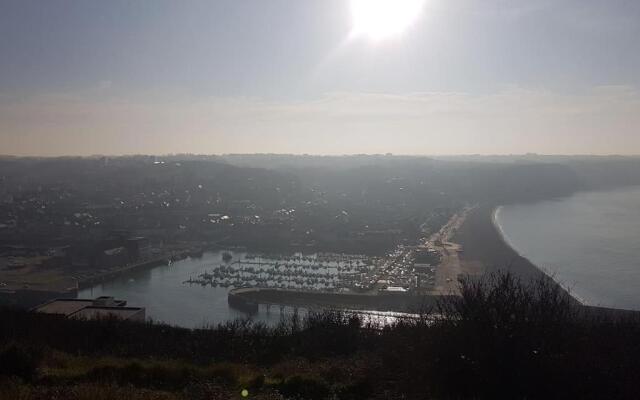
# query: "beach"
{"type": "Point", "coordinates": [486, 251]}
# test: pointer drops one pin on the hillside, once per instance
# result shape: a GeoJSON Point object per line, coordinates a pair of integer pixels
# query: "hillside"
{"type": "Point", "coordinates": [502, 339]}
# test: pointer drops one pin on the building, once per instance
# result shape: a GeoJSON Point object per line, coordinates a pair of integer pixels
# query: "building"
{"type": "Point", "coordinates": [139, 248]}
{"type": "Point", "coordinates": [87, 309]}
{"type": "Point", "coordinates": [115, 257]}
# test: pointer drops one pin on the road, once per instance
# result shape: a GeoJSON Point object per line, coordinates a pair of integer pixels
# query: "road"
{"type": "Point", "coordinates": [450, 267]}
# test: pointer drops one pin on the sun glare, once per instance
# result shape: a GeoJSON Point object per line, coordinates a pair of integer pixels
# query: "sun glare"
{"type": "Point", "coordinates": [381, 19]}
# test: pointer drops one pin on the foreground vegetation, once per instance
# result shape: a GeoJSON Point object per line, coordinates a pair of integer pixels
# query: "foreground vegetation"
{"type": "Point", "coordinates": [502, 339]}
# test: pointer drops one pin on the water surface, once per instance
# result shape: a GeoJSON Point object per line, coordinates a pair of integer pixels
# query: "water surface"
{"type": "Point", "coordinates": [589, 241]}
{"type": "Point", "coordinates": [161, 290]}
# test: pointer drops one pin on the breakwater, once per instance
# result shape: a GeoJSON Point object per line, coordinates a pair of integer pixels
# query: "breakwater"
{"type": "Point", "coordinates": [113, 273]}
{"type": "Point", "coordinates": [248, 299]}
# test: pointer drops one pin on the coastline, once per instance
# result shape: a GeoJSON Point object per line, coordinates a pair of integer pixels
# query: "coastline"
{"type": "Point", "coordinates": [485, 242]}
{"type": "Point", "coordinates": [496, 225]}
{"type": "Point", "coordinates": [545, 271]}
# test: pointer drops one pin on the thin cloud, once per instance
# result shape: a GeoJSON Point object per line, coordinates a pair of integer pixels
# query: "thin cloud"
{"type": "Point", "coordinates": [516, 120]}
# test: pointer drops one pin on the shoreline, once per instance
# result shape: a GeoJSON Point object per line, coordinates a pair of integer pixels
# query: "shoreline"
{"type": "Point", "coordinates": [484, 242]}
{"type": "Point", "coordinates": [545, 271]}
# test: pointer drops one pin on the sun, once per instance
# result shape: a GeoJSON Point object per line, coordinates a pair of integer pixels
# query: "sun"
{"type": "Point", "coordinates": [382, 19]}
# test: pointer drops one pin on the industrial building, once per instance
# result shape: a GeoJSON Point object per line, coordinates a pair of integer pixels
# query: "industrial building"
{"type": "Point", "coordinates": [87, 309]}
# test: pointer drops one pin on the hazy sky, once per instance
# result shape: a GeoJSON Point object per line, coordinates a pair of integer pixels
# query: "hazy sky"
{"type": "Point", "coordinates": [289, 76]}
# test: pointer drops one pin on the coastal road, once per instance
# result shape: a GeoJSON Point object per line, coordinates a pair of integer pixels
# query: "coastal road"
{"type": "Point", "coordinates": [451, 266]}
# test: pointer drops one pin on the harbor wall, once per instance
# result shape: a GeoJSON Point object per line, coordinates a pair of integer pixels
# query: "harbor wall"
{"type": "Point", "coordinates": [396, 302]}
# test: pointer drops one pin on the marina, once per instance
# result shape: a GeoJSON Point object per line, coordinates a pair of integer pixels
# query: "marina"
{"type": "Point", "coordinates": [218, 286]}
{"type": "Point", "coordinates": [316, 272]}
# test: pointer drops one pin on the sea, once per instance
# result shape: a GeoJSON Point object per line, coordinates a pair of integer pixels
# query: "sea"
{"type": "Point", "coordinates": [589, 242]}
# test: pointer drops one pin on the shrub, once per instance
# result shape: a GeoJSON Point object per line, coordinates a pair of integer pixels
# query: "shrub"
{"type": "Point", "coordinates": [20, 360]}
{"type": "Point", "coordinates": [256, 382]}
{"type": "Point", "coordinates": [300, 387]}
{"type": "Point", "coordinates": [155, 376]}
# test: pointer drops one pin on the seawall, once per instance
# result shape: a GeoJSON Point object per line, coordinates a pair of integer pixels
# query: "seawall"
{"type": "Point", "coordinates": [249, 298]}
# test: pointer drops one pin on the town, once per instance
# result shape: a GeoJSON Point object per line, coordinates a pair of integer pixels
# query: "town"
{"type": "Point", "coordinates": [70, 223]}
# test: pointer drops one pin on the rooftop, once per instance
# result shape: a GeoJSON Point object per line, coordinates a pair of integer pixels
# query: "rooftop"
{"type": "Point", "coordinates": [94, 312]}
{"type": "Point", "coordinates": [102, 307]}
{"type": "Point", "coordinates": [63, 306]}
